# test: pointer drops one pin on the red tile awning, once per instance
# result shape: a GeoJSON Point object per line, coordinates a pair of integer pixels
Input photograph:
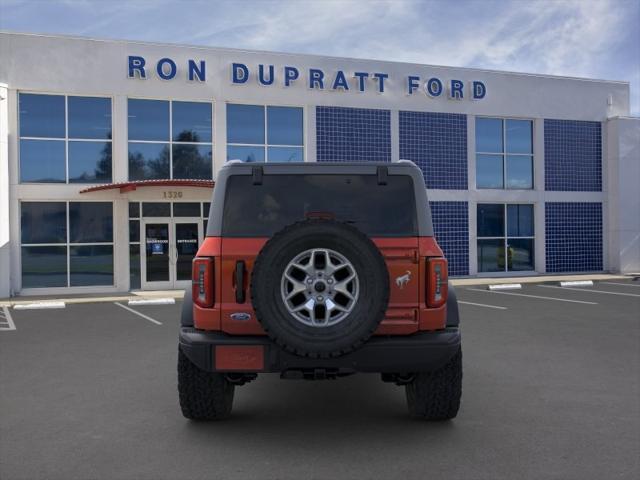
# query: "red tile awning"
{"type": "Point", "coordinates": [131, 186]}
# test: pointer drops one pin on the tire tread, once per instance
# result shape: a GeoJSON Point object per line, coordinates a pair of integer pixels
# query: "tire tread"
{"type": "Point", "coordinates": [203, 395]}
{"type": "Point", "coordinates": [436, 395]}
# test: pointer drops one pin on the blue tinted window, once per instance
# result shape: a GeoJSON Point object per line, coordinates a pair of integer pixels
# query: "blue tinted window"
{"type": "Point", "coordinates": [489, 135]}
{"type": "Point", "coordinates": [489, 171]}
{"type": "Point", "coordinates": [520, 220]}
{"type": "Point", "coordinates": [519, 172]}
{"type": "Point", "coordinates": [91, 265]}
{"type": "Point", "coordinates": [490, 220]}
{"type": "Point", "coordinates": [519, 136]}
{"type": "Point", "coordinates": [520, 254]}
{"type": "Point", "coordinates": [191, 122]}
{"type": "Point", "coordinates": [152, 209]}
{"type": "Point", "coordinates": [148, 161]}
{"type": "Point", "coordinates": [42, 161]}
{"type": "Point", "coordinates": [134, 210]}
{"type": "Point", "coordinates": [90, 222]}
{"type": "Point", "coordinates": [192, 161]}
{"type": "Point", "coordinates": [43, 222]}
{"type": "Point", "coordinates": [181, 209]}
{"type": "Point", "coordinates": [246, 154]}
{"type": "Point", "coordinates": [491, 256]}
{"type": "Point", "coordinates": [41, 115]}
{"type": "Point", "coordinates": [286, 154]}
{"type": "Point", "coordinates": [284, 126]}
{"type": "Point", "coordinates": [89, 117]}
{"type": "Point", "coordinates": [148, 120]}
{"type": "Point", "coordinates": [89, 162]}
{"type": "Point", "coordinates": [245, 124]}
{"type": "Point", "coordinates": [44, 266]}
{"type": "Point", "coordinates": [134, 230]}
{"type": "Point", "coordinates": [134, 266]}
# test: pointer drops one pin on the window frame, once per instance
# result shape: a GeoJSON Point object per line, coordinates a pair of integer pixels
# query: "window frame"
{"type": "Point", "coordinates": [68, 244]}
{"type": "Point", "coordinates": [504, 154]}
{"type": "Point", "coordinates": [66, 139]}
{"type": "Point", "coordinates": [506, 237]}
{"type": "Point", "coordinates": [265, 146]}
{"type": "Point", "coordinates": [170, 142]}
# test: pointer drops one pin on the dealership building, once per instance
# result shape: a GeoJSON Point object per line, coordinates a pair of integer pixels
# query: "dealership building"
{"type": "Point", "coordinates": [109, 151]}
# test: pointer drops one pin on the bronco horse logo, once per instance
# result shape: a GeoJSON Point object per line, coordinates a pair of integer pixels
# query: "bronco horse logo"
{"type": "Point", "coordinates": [402, 280]}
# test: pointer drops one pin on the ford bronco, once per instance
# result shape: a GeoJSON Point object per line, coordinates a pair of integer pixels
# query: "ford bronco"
{"type": "Point", "coordinates": [315, 271]}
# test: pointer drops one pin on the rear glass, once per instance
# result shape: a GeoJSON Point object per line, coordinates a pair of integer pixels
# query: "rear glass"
{"type": "Point", "coordinates": [262, 210]}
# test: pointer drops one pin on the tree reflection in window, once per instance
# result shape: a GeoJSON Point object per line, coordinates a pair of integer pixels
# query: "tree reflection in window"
{"type": "Point", "coordinates": [149, 167]}
{"type": "Point", "coordinates": [191, 160]}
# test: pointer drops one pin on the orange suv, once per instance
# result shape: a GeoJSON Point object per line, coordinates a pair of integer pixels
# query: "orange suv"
{"type": "Point", "coordinates": [315, 271]}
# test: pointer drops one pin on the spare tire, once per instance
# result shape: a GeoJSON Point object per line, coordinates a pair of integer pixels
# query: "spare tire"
{"type": "Point", "coordinates": [320, 288]}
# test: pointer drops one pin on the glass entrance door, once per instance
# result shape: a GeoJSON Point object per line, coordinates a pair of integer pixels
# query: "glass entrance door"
{"type": "Point", "coordinates": [157, 254]}
{"type": "Point", "coordinates": [187, 234]}
{"type": "Point", "coordinates": [169, 247]}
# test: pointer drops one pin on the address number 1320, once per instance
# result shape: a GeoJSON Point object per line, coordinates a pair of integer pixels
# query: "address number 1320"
{"type": "Point", "coordinates": [172, 194]}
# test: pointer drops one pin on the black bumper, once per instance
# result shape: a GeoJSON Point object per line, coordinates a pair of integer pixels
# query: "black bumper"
{"type": "Point", "coordinates": [419, 352]}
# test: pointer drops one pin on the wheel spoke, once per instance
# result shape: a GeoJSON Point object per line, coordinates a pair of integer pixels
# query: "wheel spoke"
{"type": "Point", "coordinates": [334, 306]}
{"type": "Point", "coordinates": [307, 269]}
{"type": "Point", "coordinates": [308, 306]}
{"type": "Point", "coordinates": [342, 287]}
{"type": "Point", "coordinates": [298, 287]}
{"type": "Point", "coordinates": [316, 273]}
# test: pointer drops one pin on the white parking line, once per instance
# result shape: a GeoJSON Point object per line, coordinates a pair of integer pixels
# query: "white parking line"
{"type": "Point", "coordinates": [623, 284]}
{"type": "Point", "coordinates": [533, 296]}
{"type": "Point", "coordinates": [483, 305]}
{"type": "Point", "coordinates": [591, 290]}
{"type": "Point", "coordinates": [7, 324]}
{"type": "Point", "coordinates": [138, 313]}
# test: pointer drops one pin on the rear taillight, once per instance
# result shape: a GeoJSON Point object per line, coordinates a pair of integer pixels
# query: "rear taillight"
{"type": "Point", "coordinates": [203, 284]}
{"type": "Point", "coordinates": [437, 277]}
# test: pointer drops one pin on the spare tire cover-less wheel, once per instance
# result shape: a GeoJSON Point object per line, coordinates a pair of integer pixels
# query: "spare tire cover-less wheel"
{"type": "Point", "coordinates": [320, 288]}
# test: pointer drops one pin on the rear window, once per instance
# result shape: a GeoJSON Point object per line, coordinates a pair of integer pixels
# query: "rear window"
{"type": "Point", "coordinates": [262, 210]}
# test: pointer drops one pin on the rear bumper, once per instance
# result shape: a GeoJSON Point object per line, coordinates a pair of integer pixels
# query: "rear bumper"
{"type": "Point", "coordinates": [219, 352]}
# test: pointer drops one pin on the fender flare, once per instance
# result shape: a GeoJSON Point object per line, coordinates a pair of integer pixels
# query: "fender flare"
{"type": "Point", "coordinates": [453, 316]}
{"type": "Point", "coordinates": [186, 318]}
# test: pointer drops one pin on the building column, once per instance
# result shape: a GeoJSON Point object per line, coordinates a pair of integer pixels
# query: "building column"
{"type": "Point", "coordinates": [472, 196]}
{"type": "Point", "coordinates": [219, 136]}
{"type": "Point", "coordinates": [310, 134]}
{"type": "Point", "coordinates": [395, 135]}
{"type": "Point", "coordinates": [539, 228]}
{"type": "Point", "coordinates": [623, 205]}
{"type": "Point", "coordinates": [5, 267]}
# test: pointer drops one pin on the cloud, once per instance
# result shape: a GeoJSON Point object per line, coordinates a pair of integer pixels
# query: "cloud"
{"type": "Point", "coordinates": [588, 38]}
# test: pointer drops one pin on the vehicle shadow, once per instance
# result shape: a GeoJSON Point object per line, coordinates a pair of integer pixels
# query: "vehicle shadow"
{"type": "Point", "coordinates": [324, 414]}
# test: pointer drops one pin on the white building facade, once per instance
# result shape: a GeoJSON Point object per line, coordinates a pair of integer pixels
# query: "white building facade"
{"type": "Point", "coordinates": [109, 150]}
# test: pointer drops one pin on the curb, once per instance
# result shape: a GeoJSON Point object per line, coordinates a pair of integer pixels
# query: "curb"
{"type": "Point", "coordinates": [78, 300]}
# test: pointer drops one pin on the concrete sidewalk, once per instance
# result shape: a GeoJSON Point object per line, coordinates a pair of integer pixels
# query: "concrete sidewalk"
{"type": "Point", "coordinates": [93, 297]}
{"type": "Point", "coordinates": [178, 294]}
{"type": "Point", "coordinates": [539, 279]}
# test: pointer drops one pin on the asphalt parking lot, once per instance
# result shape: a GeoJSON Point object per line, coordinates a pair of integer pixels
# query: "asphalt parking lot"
{"type": "Point", "coordinates": [551, 390]}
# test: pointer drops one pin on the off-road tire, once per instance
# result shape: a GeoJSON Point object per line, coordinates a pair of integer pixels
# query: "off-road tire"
{"type": "Point", "coordinates": [436, 395]}
{"type": "Point", "coordinates": [203, 395]}
{"type": "Point", "coordinates": [311, 341]}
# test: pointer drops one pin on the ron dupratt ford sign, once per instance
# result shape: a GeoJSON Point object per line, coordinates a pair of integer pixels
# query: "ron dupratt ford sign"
{"type": "Point", "coordinates": [314, 78]}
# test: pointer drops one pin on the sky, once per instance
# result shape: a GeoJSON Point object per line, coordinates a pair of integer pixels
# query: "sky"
{"type": "Point", "coordinates": [579, 38]}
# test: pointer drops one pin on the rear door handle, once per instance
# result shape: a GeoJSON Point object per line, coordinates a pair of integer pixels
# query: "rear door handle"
{"type": "Point", "coordinates": [240, 270]}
